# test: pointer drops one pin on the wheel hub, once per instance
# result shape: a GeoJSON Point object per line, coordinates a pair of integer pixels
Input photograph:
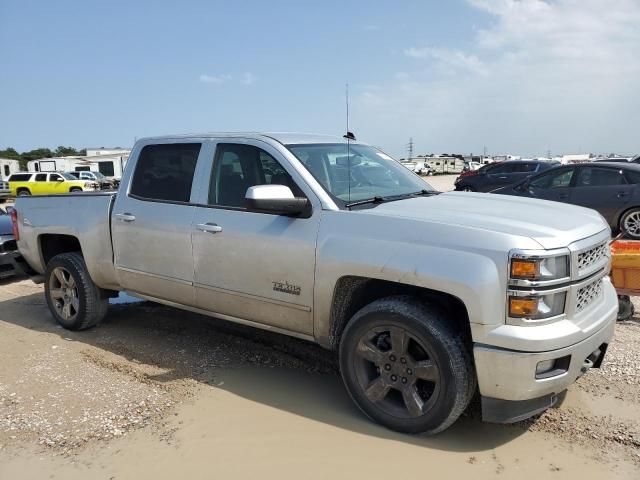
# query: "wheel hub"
{"type": "Point", "coordinates": [398, 369]}
{"type": "Point", "coordinates": [63, 293]}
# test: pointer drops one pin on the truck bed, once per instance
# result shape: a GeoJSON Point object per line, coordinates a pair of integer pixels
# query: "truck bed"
{"type": "Point", "coordinates": [83, 216]}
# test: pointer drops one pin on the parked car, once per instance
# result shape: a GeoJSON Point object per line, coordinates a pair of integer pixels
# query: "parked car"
{"type": "Point", "coordinates": [496, 175]}
{"type": "Point", "coordinates": [5, 191]}
{"type": "Point", "coordinates": [610, 188]}
{"type": "Point", "coordinates": [8, 247]}
{"type": "Point", "coordinates": [47, 183]}
{"type": "Point", "coordinates": [97, 177]}
{"type": "Point", "coordinates": [424, 296]}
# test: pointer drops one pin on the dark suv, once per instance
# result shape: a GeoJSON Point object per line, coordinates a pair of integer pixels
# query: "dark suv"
{"type": "Point", "coordinates": [498, 175]}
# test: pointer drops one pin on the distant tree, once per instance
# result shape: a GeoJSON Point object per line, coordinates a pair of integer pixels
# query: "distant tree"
{"type": "Point", "coordinates": [82, 152]}
{"type": "Point", "coordinates": [10, 153]}
{"type": "Point", "coordinates": [65, 151]}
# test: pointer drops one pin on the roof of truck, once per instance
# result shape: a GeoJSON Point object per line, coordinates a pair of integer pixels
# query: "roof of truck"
{"type": "Point", "coordinates": [286, 138]}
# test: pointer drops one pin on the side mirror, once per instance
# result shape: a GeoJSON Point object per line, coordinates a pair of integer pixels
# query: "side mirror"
{"type": "Point", "coordinates": [275, 199]}
{"type": "Point", "coordinates": [59, 179]}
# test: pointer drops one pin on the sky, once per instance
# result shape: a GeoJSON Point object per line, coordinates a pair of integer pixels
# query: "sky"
{"type": "Point", "coordinates": [521, 77]}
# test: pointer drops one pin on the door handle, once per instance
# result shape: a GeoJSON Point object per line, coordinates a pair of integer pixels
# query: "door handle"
{"type": "Point", "coordinates": [622, 194]}
{"type": "Point", "coordinates": [502, 178]}
{"type": "Point", "coordinates": [125, 217]}
{"type": "Point", "coordinates": [209, 227]}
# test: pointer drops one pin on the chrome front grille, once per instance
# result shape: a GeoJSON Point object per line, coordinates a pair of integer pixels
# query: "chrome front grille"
{"type": "Point", "coordinates": [587, 294]}
{"type": "Point", "coordinates": [592, 256]}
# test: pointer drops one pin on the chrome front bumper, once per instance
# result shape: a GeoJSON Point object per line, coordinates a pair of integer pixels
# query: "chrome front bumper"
{"type": "Point", "coordinates": [511, 375]}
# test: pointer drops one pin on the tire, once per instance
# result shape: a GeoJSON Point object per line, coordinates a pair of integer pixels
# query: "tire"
{"type": "Point", "coordinates": [630, 224]}
{"type": "Point", "coordinates": [434, 372]}
{"type": "Point", "coordinates": [75, 189]}
{"type": "Point", "coordinates": [24, 192]}
{"type": "Point", "coordinates": [67, 282]}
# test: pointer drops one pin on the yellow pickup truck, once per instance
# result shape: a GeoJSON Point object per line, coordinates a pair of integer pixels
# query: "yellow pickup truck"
{"type": "Point", "coordinates": [47, 183]}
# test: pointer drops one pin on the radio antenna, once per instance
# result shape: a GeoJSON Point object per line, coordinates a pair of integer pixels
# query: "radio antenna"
{"type": "Point", "coordinates": [348, 136]}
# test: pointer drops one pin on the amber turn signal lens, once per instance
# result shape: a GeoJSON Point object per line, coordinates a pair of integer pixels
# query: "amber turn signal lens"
{"type": "Point", "coordinates": [523, 307]}
{"type": "Point", "coordinates": [525, 268]}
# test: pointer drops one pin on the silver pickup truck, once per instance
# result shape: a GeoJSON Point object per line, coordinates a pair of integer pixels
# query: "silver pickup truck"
{"type": "Point", "coordinates": [426, 297]}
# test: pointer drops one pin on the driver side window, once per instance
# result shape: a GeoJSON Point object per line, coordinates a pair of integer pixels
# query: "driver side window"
{"type": "Point", "coordinates": [237, 167]}
{"type": "Point", "coordinates": [558, 179]}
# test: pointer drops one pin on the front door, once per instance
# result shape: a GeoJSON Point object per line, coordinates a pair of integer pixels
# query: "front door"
{"type": "Point", "coordinates": [253, 266]}
{"type": "Point", "coordinates": [56, 184]}
{"type": "Point", "coordinates": [554, 185]}
{"type": "Point", "coordinates": [151, 223]}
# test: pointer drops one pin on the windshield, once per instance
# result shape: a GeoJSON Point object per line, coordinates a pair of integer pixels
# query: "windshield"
{"type": "Point", "coordinates": [68, 176]}
{"type": "Point", "coordinates": [99, 175]}
{"type": "Point", "coordinates": [357, 172]}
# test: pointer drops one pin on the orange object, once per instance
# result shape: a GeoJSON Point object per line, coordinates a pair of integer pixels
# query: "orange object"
{"type": "Point", "coordinates": [625, 266]}
{"type": "Point", "coordinates": [525, 268]}
{"type": "Point", "coordinates": [523, 307]}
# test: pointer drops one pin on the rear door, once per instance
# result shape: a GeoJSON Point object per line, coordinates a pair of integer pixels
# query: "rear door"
{"type": "Point", "coordinates": [604, 189]}
{"type": "Point", "coordinates": [554, 185]}
{"type": "Point", "coordinates": [255, 266]}
{"type": "Point", "coordinates": [151, 222]}
{"type": "Point", "coordinates": [39, 185]}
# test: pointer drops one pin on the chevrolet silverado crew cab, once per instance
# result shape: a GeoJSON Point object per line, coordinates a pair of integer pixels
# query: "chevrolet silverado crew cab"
{"type": "Point", "coordinates": [426, 297]}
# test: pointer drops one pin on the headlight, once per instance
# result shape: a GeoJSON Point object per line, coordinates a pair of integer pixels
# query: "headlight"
{"type": "Point", "coordinates": [533, 309]}
{"type": "Point", "coordinates": [539, 269]}
{"type": "Point", "coordinates": [538, 286]}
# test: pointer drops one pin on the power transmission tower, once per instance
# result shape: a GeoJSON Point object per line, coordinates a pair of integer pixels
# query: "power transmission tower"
{"type": "Point", "coordinates": [410, 148]}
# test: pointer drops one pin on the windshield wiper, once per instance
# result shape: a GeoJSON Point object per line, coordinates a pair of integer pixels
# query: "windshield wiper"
{"type": "Point", "coordinates": [391, 198]}
{"type": "Point", "coordinates": [425, 192]}
{"type": "Point", "coordinates": [376, 199]}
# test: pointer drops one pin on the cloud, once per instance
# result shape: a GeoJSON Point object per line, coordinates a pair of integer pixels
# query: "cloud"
{"type": "Point", "coordinates": [561, 75]}
{"type": "Point", "coordinates": [448, 59]}
{"type": "Point", "coordinates": [248, 78]}
{"type": "Point", "coordinates": [215, 79]}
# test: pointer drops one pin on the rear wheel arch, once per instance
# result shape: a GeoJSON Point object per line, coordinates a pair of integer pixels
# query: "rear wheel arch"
{"type": "Point", "coordinates": [51, 245]}
{"type": "Point", "coordinates": [620, 217]}
{"type": "Point", "coordinates": [23, 191]}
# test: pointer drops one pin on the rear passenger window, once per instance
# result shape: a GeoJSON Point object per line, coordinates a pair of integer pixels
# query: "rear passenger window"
{"type": "Point", "coordinates": [20, 177]}
{"type": "Point", "coordinates": [165, 172]}
{"type": "Point", "coordinates": [41, 177]}
{"type": "Point", "coordinates": [633, 177]}
{"type": "Point", "coordinates": [599, 177]}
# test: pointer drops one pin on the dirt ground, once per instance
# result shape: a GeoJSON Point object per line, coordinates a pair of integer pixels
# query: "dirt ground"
{"type": "Point", "coordinates": [158, 393]}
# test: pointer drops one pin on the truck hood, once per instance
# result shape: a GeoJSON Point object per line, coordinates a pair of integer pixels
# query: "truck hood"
{"type": "Point", "coordinates": [551, 224]}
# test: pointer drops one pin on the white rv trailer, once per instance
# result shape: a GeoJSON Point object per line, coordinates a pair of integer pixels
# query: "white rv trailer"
{"type": "Point", "coordinates": [445, 165]}
{"type": "Point", "coordinates": [110, 165]}
{"type": "Point", "coordinates": [7, 167]}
